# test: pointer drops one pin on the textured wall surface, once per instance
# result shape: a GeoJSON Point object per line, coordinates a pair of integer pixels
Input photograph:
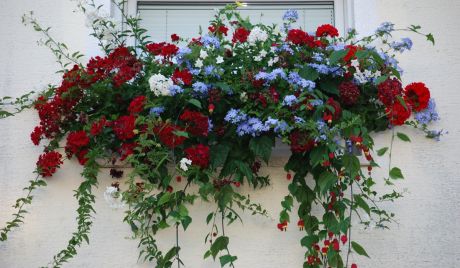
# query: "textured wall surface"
{"type": "Point", "coordinates": [427, 233]}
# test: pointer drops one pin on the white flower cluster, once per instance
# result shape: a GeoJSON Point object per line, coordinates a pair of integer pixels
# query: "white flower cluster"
{"type": "Point", "coordinates": [261, 55]}
{"type": "Point", "coordinates": [113, 197]}
{"type": "Point", "coordinates": [257, 34]}
{"type": "Point", "coordinates": [185, 163]}
{"type": "Point", "coordinates": [160, 85]}
{"type": "Point", "coordinates": [363, 77]}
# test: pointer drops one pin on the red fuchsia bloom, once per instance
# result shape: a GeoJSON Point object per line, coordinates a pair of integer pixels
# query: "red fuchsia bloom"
{"type": "Point", "coordinates": [199, 155]}
{"type": "Point", "coordinates": [417, 96]}
{"type": "Point", "coordinates": [124, 127]}
{"type": "Point", "coordinates": [182, 77]}
{"type": "Point", "coordinates": [240, 35]}
{"type": "Point", "coordinates": [174, 37]}
{"type": "Point", "coordinates": [211, 108]}
{"type": "Point", "coordinates": [349, 93]}
{"type": "Point", "coordinates": [166, 134]}
{"type": "Point", "coordinates": [274, 94]}
{"type": "Point", "coordinates": [76, 141]}
{"type": "Point", "coordinates": [36, 135]}
{"type": "Point", "coordinates": [354, 265]}
{"type": "Point", "coordinates": [397, 114]}
{"type": "Point", "coordinates": [237, 184]}
{"type": "Point", "coordinates": [327, 30]}
{"type": "Point", "coordinates": [48, 163]}
{"type": "Point", "coordinates": [98, 126]}
{"type": "Point", "coordinates": [197, 123]}
{"type": "Point", "coordinates": [137, 105]}
{"type": "Point", "coordinates": [344, 239]}
{"type": "Point", "coordinates": [282, 226]}
{"type": "Point", "coordinates": [336, 245]}
{"type": "Point", "coordinates": [81, 156]}
{"type": "Point", "coordinates": [356, 139]}
{"type": "Point", "coordinates": [288, 176]}
{"type": "Point", "coordinates": [300, 224]}
{"type": "Point", "coordinates": [300, 142]}
{"type": "Point", "coordinates": [169, 189]}
{"type": "Point", "coordinates": [388, 90]}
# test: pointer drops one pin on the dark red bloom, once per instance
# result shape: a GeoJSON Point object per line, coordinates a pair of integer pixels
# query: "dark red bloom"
{"type": "Point", "coordinates": [349, 92]}
{"type": "Point", "coordinates": [76, 141]}
{"type": "Point", "coordinates": [417, 95]}
{"type": "Point", "coordinates": [353, 265]}
{"type": "Point", "coordinates": [327, 30]}
{"type": "Point", "coordinates": [97, 127]}
{"type": "Point", "coordinates": [36, 135]}
{"type": "Point", "coordinates": [197, 123]}
{"type": "Point", "coordinates": [337, 109]}
{"type": "Point", "coordinates": [163, 49]}
{"type": "Point", "coordinates": [388, 90]}
{"type": "Point", "coordinates": [344, 239]}
{"type": "Point", "coordinates": [300, 142]}
{"type": "Point", "coordinates": [182, 77]}
{"type": "Point", "coordinates": [282, 226]}
{"type": "Point", "coordinates": [174, 37]}
{"type": "Point", "coordinates": [155, 48]}
{"type": "Point", "coordinates": [240, 35]}
{"type": "Point", "coordinates": [126, 150]}
{"type": "Point", "coordinates": [296, 36]}
{"type": "Point", "coordinates": [48, 163]}
{"type": "Point", "coordinates": [199, 155]}
{"type": "Point", "coordinates": [81, 156]}
{"type": "Point", "coordinates": [397, 114]}
{"type": "Point", "coordinates": [166, 134]}
{"type": "Point", "coordinates": [336, 245]}
{"type": "Point", "coordinates": [301, 224]}
{"type": "Point", "coordinates": [223, 29]}
{"type": "Point", "coordinates": [124, 127]}
{"type": "Point", "coordinates": [137, 105]}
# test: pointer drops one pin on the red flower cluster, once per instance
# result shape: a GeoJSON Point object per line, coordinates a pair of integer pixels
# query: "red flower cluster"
{"type": "Point", "coordinates": [300, 142]}
{"type": "Point", "coordinates": [163, 49]}
{"type": "Point", "coordinates": [349, 92]}
{"type": "Point", "coordinates": [300, 37]}
{"type": "Point", "coordinates": [175, 37]}
{"type": "Point", "coordinates": [81, 156]}
{"type": "Point", "coordinates": [126, 150]}
{"type": "Point", "coordinates": [352, 49]}
{"type": "Point", "coordinates": [221, 29]}
{"type": "Point", "coordinates": [327, 30]}
{"type": "Point", "coordinates": [48, 163]}
{"type": "Point", "coordinates": [137, 105]}
{"type": "Point", "coordinates": [337, 109]}
{"type": "Point", "coordinates": [388, 90]}
{"type": "Point", "coordinates": [240, 35]}
{"type": "Point", "coordinates": [124, 127]}
{"type": "Point", "coordinates": [397, 113]}
{"type": "Point", "coordinates": [166, 134]}
{"type": "Point", "coordinates": [36, 135]}
{"type": "Point", "coordinates": [182, 77]}
{"type": "Point", "coordinates": [75, 142]}
{"type": "Point", "coordinates": [120, 61]}
{"type": "Point", "coordinates": [417, 96]}
{"type": "Point", "coordinates": [96, 127]}
{"type": "Point", "coordinates": [197, 123]}
{"type": "Point", "coordinates": [199, 155]}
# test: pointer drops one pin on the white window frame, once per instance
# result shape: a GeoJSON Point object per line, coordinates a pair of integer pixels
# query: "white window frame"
{"type": "Point", "coordinates": [343, 9]}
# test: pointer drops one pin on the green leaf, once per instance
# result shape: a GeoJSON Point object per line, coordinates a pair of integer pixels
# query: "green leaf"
{"type": "Point", "coordinates": [262, 146]}
{"type": "Point", "coordinates": [186, 222]}
{"type": "Point", "coordinates": [308, 73]}
{"type": "Point", "coordinates": [403, 136]}
{"type": "Point", "coordinates": [209, 217]}
{"type": "Point", "coordinates": [309, 240]}
{"type": "Point", "coordinates": [381, 79]}
{"type": "Point", "coordinates": [395, 173]}
{"type": "Point", "coordinates": [326, 180]}
{"type": "Point", "coordinates": [219, 244]}
{"type": "Point", "coordinates": [359, 249]}
{"type": "Point", "coordinates": [329, 87]}
{"type": "Point", "coordinates": [181, 134]}
{"type": "Point", "coordinates": [430, 38]}
{"type": "Point", "coordinates": [361, 203]}
{"type": "Point", "coordinates": [226, 259]}
{"type": "Point", "coordinates": [219, 154]}
{"type": "Point", "coordinates": [382, 151]}
{"type": "Point", "coordinates": [351, 163]}
{"type": "Point", "coordinates": [337, 55]}
{"type": "Point", "coordinates": [164, 198]}
{"type": "Point", "coordinates": [195, 102]}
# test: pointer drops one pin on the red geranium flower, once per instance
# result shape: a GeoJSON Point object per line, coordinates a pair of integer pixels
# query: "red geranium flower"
{"type": "Point", "coordinates": [296, 36]}
{"type": "Point", "coordinates": [36, 135]}
{"type": "Point", "coordinates": [126, 150]}
{"type": "Point", "coordinates": [174, 37]}
{"type": "Point", "coordinates": [168, 137]}
{"type": "Point", "coordinates": [96, 127]}
{"type": "Point", "coordinates": [417, 96]}
{"type": "Point", "coordinates": [223, 29]}
{"type": "Point", "coordinates": [182, 77]}
{"type": "Point", "coordinates": [81, 156]}
{"type": "Point", "coordinates": [388, 90]}
{"type": "Point", "coordinates": [198, 124]}
{"type": "Point", "coordinates": [397, 114]}
{"type": "Point", "coordinates": [124, 127]}
{"type": "Point", "coordinates": [351, 52]}
{"type": "Point", "coordinates": [48, 163]}
{"type": "Point", "coordinates": [241, 35]}
{"type": "Point", "coordinates": [349, 92]}
{"type": "Point", "coordinates": [137, 105]}
{"type": "Point", "coordinates": [327, 30]}
{"type": "Point", "coordinates": [199, 155]}
{"type": "Point", "coordinates": [76, 141]}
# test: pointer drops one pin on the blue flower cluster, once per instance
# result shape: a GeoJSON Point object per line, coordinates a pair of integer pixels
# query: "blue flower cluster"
{"type": "Point", "coordinates": [272, 75]}
{"type": "Point", "coordinates": [402, 45]}
{"type": "Point", "coordinates": [295, 79]}
{"type": "Point", "coordinates": [200, 87]}
{"type": "Point", "coordinates": [253, 126]}
{"type": "Point", "coordinates": [323, 68]}
{"type": "Point", "coordinates": [175, 89]}
{"type": "Point", "coordinates": [157, 111]}
{"type": "Point", "coordinates": [208, 41]}
{"type": "Point", "coordinates": [322, 128]}
{"type": "Point", "coordinates": [181, 53]}
{"type": "Point", "coordinates": [428, 115]}
{"type": "Point", "coordinates": [290, 100]}
{"type": "Point", "coordinates": [291, 15]}
{"type": "Point", "coordinates": [385, 28]}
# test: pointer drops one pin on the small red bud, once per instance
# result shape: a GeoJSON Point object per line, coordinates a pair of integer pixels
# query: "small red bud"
{"type": "Point", "coordinates": [331, 155]}
{"type": "Point", "coordinates": [344, 239]}
{"type": "Point", "coordinates": [354, 266]}
{"type": "Point", "coordinates": [288, 176]}
{"type": "Point", "coordinates": [169, 189]}
{"type": "Point", "coordinates": [178, 178]}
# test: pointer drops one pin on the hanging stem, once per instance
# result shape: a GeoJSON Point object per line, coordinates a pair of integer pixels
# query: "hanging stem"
{"type": "Point", "coordinates": [349, 229]}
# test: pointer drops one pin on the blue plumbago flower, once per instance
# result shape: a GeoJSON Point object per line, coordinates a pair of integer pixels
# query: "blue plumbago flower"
{"type": "Point", "coordinates": [385, 28]}
{"type": "Point", "coordinates": [321, 125]}
{"type": "Point", "coordinates": [253, 126]}
{"type": "Point", "coordinates": [291, 15]}
{"type": "Point", "coordinates": [208, 40]}
{"type": "Point", "coordinates": [181, 53]}
{"type": "Point", "coordinates": [271, 76]}
{"type": "Point", "coordinates": [402, 45]}
{"type": "Point", "coordinates": [194, 71]}
{"type": "Point", "coordinates": [436, 134]}
{"type": "Point", "coordinates": [285, 47]}
{"type": "Point", "coordinates": [298, 120]}
{"type": "Point", "coordinates": [391, 61]}
{"type": "Point", "coordinates": [235, 116]}
{"type": "Point", "coordinates": [282, 127]}
{"type": "Point", "coordinates": [319, 57]}
{"type": "Point", "coordinates": [338, 46]}
{"type": "Point", "coordinates": [322, 68]}
{"type": "Point", "coordinates": [210, 125]}
{"type": "Point", "coordinates": [157, 111]}
{"type": "Point", "coordinates": [208, 70]}
{"type": "Point", "coordinates": [277, 125]}
{"type": "Point", "coordinates": [295, 79]}
{"type": "Point", "coordinates": [200, 87]}
{"type": "Point", "coordinates": [322, 128]}
{"type": "Point", "coordinates": [289, 100]}
{"type": "Point", "coordinates": [316, 102]}
{"type": "Point", "coordinates": [349, 146]}
{"type": "Point", "coordinates": [175, 89]}
{"type": "Point", "coordinates": [428, 115]}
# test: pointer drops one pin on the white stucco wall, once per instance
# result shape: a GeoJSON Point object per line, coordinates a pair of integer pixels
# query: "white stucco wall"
{"type": "Point", "coordinates": [426, 236]}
